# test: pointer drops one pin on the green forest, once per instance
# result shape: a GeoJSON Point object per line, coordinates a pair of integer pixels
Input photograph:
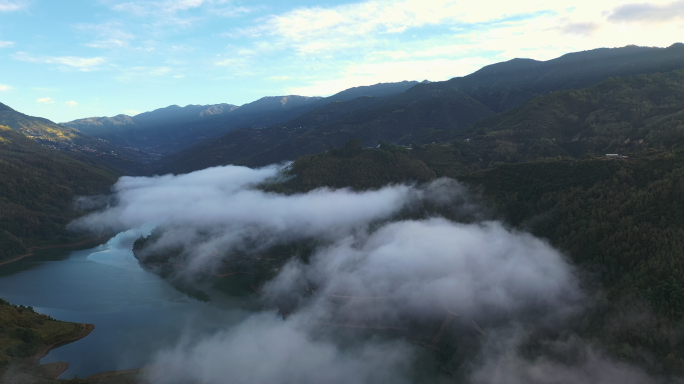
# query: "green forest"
{"type": "Point", "coordinates": [538, 167]}
{"type": "Point", "coordinates": [620, 220]}
{"type": "Point", "coordinates": [37, 190]}
{"type": "Point", "coordinates": [620, 115]}
{"type": "Point", "coordinates": [436, 111]}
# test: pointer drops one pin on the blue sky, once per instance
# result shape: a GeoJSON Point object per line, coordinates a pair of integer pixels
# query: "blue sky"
{"type": "Point", "coordinates": [71, 59]}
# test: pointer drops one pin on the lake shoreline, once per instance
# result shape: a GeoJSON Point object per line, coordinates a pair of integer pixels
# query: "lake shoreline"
{"type": "Point", "coordinates": [85, 330]}
{"type": "Point", "coordinates": [29, 369]}
{"type": "Point", "coordinates": [159, 316]}
{"type": "Point", "coordinates": [34, 249]}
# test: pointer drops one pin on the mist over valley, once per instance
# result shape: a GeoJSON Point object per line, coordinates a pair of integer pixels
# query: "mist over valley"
{"type": "Point", "coordinates": [374, 192]}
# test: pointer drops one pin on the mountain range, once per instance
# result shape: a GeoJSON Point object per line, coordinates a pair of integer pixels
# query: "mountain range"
{"type": "Point", "coordinates": [529, 136]}
{"type": "Point", "coordinates": [582, 104]}
{"type": "Point", "coordinates": [168, 130]}
{"type": "Point", "coordinates": [38, 185]}
{"type": "Point", "coordinates": [56, 136]}
{"type": "Point", "coordinates": [426, 112]}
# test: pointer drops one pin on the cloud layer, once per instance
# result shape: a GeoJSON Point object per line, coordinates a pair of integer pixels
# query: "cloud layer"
{"type": "Point", "coordinates": [433, 267]}
{"type": "Point", "coordinates": [221, 195]}
{"type": "Point", "coordinates": [378, 295]}
{"type": "Point", "coordinates": [12, 5]}
{"type": "Point", "coordinates": [84, 64]}
{"type": "Point", "coordinates": [265, 350]}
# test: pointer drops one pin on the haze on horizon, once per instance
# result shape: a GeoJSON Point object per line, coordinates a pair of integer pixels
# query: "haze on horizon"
{"type": "Point", "coordinates": [72, 60]}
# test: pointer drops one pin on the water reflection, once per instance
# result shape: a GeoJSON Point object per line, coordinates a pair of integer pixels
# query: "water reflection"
{"type": "Point", "coordinates": [117, 252]}
{"type": "Point", "coordinates": [134, 311]}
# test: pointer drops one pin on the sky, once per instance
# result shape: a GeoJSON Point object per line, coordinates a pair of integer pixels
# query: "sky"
{"type": "Point", "coordinates": [71, 59]}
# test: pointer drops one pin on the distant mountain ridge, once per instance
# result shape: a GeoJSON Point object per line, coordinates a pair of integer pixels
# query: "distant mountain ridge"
{"type": "Point", "coordinates": [69, 139]}
{"type": "Point", "coordinates": [509, 84]}
{"type": "Point", "coordinates": [171, 128]}
{"type": "Point", "coordinates": [619, 115]}
{"type": "Point", "coordinates": [426, 112]}
{"type": "Point", "coordinates": [168, 130]}
{"type": "Point", "coordinates": [276, 103]}
{"type": "Point", "coordinates": [174, 113]}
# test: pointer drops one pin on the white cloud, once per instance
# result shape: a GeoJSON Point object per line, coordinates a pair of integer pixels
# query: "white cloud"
{"type": "Point", "coordinates": [235, 62]}
{"type": "Point", "coordinates": [45, 100]}
{"type": "Point", "coordinates": [175, 12]}
{"type": "Point", "coordinates": [182, 48]}
{"type": "Point", "coordinates": [650, 12]}
{"type": "Point", "coordinates": [108, 44]}
{"type": "Point", "coordinates": [5, 88]}
{"type": "Point", "coordinates": [71, 103]}
{"type": "Point", "coordinates": [84, 64]}
{"type": "Point", "coordinates": [143, 8]}
{"type": "Point", "coordinates": [6, 44]}
{"type": "Point", "coordinates": [109, 35]}
{"type": "Point", "coordinates": [143, 72]}
{"type": "Point", "coordinates": [306, 215]}
{"type": "Point", "coordinates": [318, 29]}
{"type": "Point", "coordinates": [264, 349]}
{"type": "Point", "coordinates": [471, 33]}
{"type": "Point", "coordinates": [431, 265]}
{"type": "Point", "coordinates": [159, 71]}
{"type": "Point", "coordinates": [425, 265]}
{"type": "Point", "coordinates": [472, 279]}
{"type": "Point", "coordinates": [12, 5]}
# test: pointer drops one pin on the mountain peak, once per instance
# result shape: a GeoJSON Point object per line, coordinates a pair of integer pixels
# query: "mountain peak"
{"type": "Point", "coordinates": [275, 103]}
{"type": "Point", "coordinates": [5, 108]}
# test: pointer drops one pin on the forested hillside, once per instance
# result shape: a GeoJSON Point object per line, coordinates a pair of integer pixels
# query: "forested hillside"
{"type": "Point", "coordinates": [620, 220]}
{"type": "Point", "coordinates": [37, 189]}
{"type": "Point", "coordinates": [25, 335]}
{"type": "Point", "coordinates": [44, 131]}
{"type": "Point", "coordinates": [427, 112]}
{"type": "Point", "coordinates": [369, 119]}
{"type": "Point", "coordinates": [624, 217]}
{"type": "Point", "coordinates": [538, 167]}
{"type": "Point", "coordinates": [620, 115]}
{"type": "Point", "coordinates": [624, 221]}
{"type": "Point", "coordinates": [507, 85]}
{"type": "Point", "coordinates": [168, 130]}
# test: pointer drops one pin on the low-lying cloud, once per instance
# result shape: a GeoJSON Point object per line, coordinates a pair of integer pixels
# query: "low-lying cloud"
{"type": "Point", "coordinates": [388, 287]}
{"type": "Point", "coordinates": [221, 196]}
{"type": "Point", "coordinates": [647, 12]}
{"type": "Point", "coordinates": [265, 349]}
{"type": "Point", "coordinates": [216, 210]}
{"type": "Point", "coordinates": [432, 267]}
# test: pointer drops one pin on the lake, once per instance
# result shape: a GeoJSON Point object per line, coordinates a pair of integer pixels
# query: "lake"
{"type": "Point", "coordinates": [136, 313]}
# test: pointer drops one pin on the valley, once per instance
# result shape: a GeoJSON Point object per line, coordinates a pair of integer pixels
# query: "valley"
{"type": "Point", "coordinates": [424, 229]}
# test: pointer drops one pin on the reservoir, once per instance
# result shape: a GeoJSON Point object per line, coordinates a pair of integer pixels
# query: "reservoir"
{"type": "Point", "coordinates": [135, 312]}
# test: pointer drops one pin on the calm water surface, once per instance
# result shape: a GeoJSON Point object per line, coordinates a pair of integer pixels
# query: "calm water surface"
{"type": "Point", "coordinates": [136, 313]}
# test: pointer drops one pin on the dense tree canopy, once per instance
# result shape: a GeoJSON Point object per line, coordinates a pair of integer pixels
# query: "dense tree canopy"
{"type": "Point", "coordinates": [37, 190]}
